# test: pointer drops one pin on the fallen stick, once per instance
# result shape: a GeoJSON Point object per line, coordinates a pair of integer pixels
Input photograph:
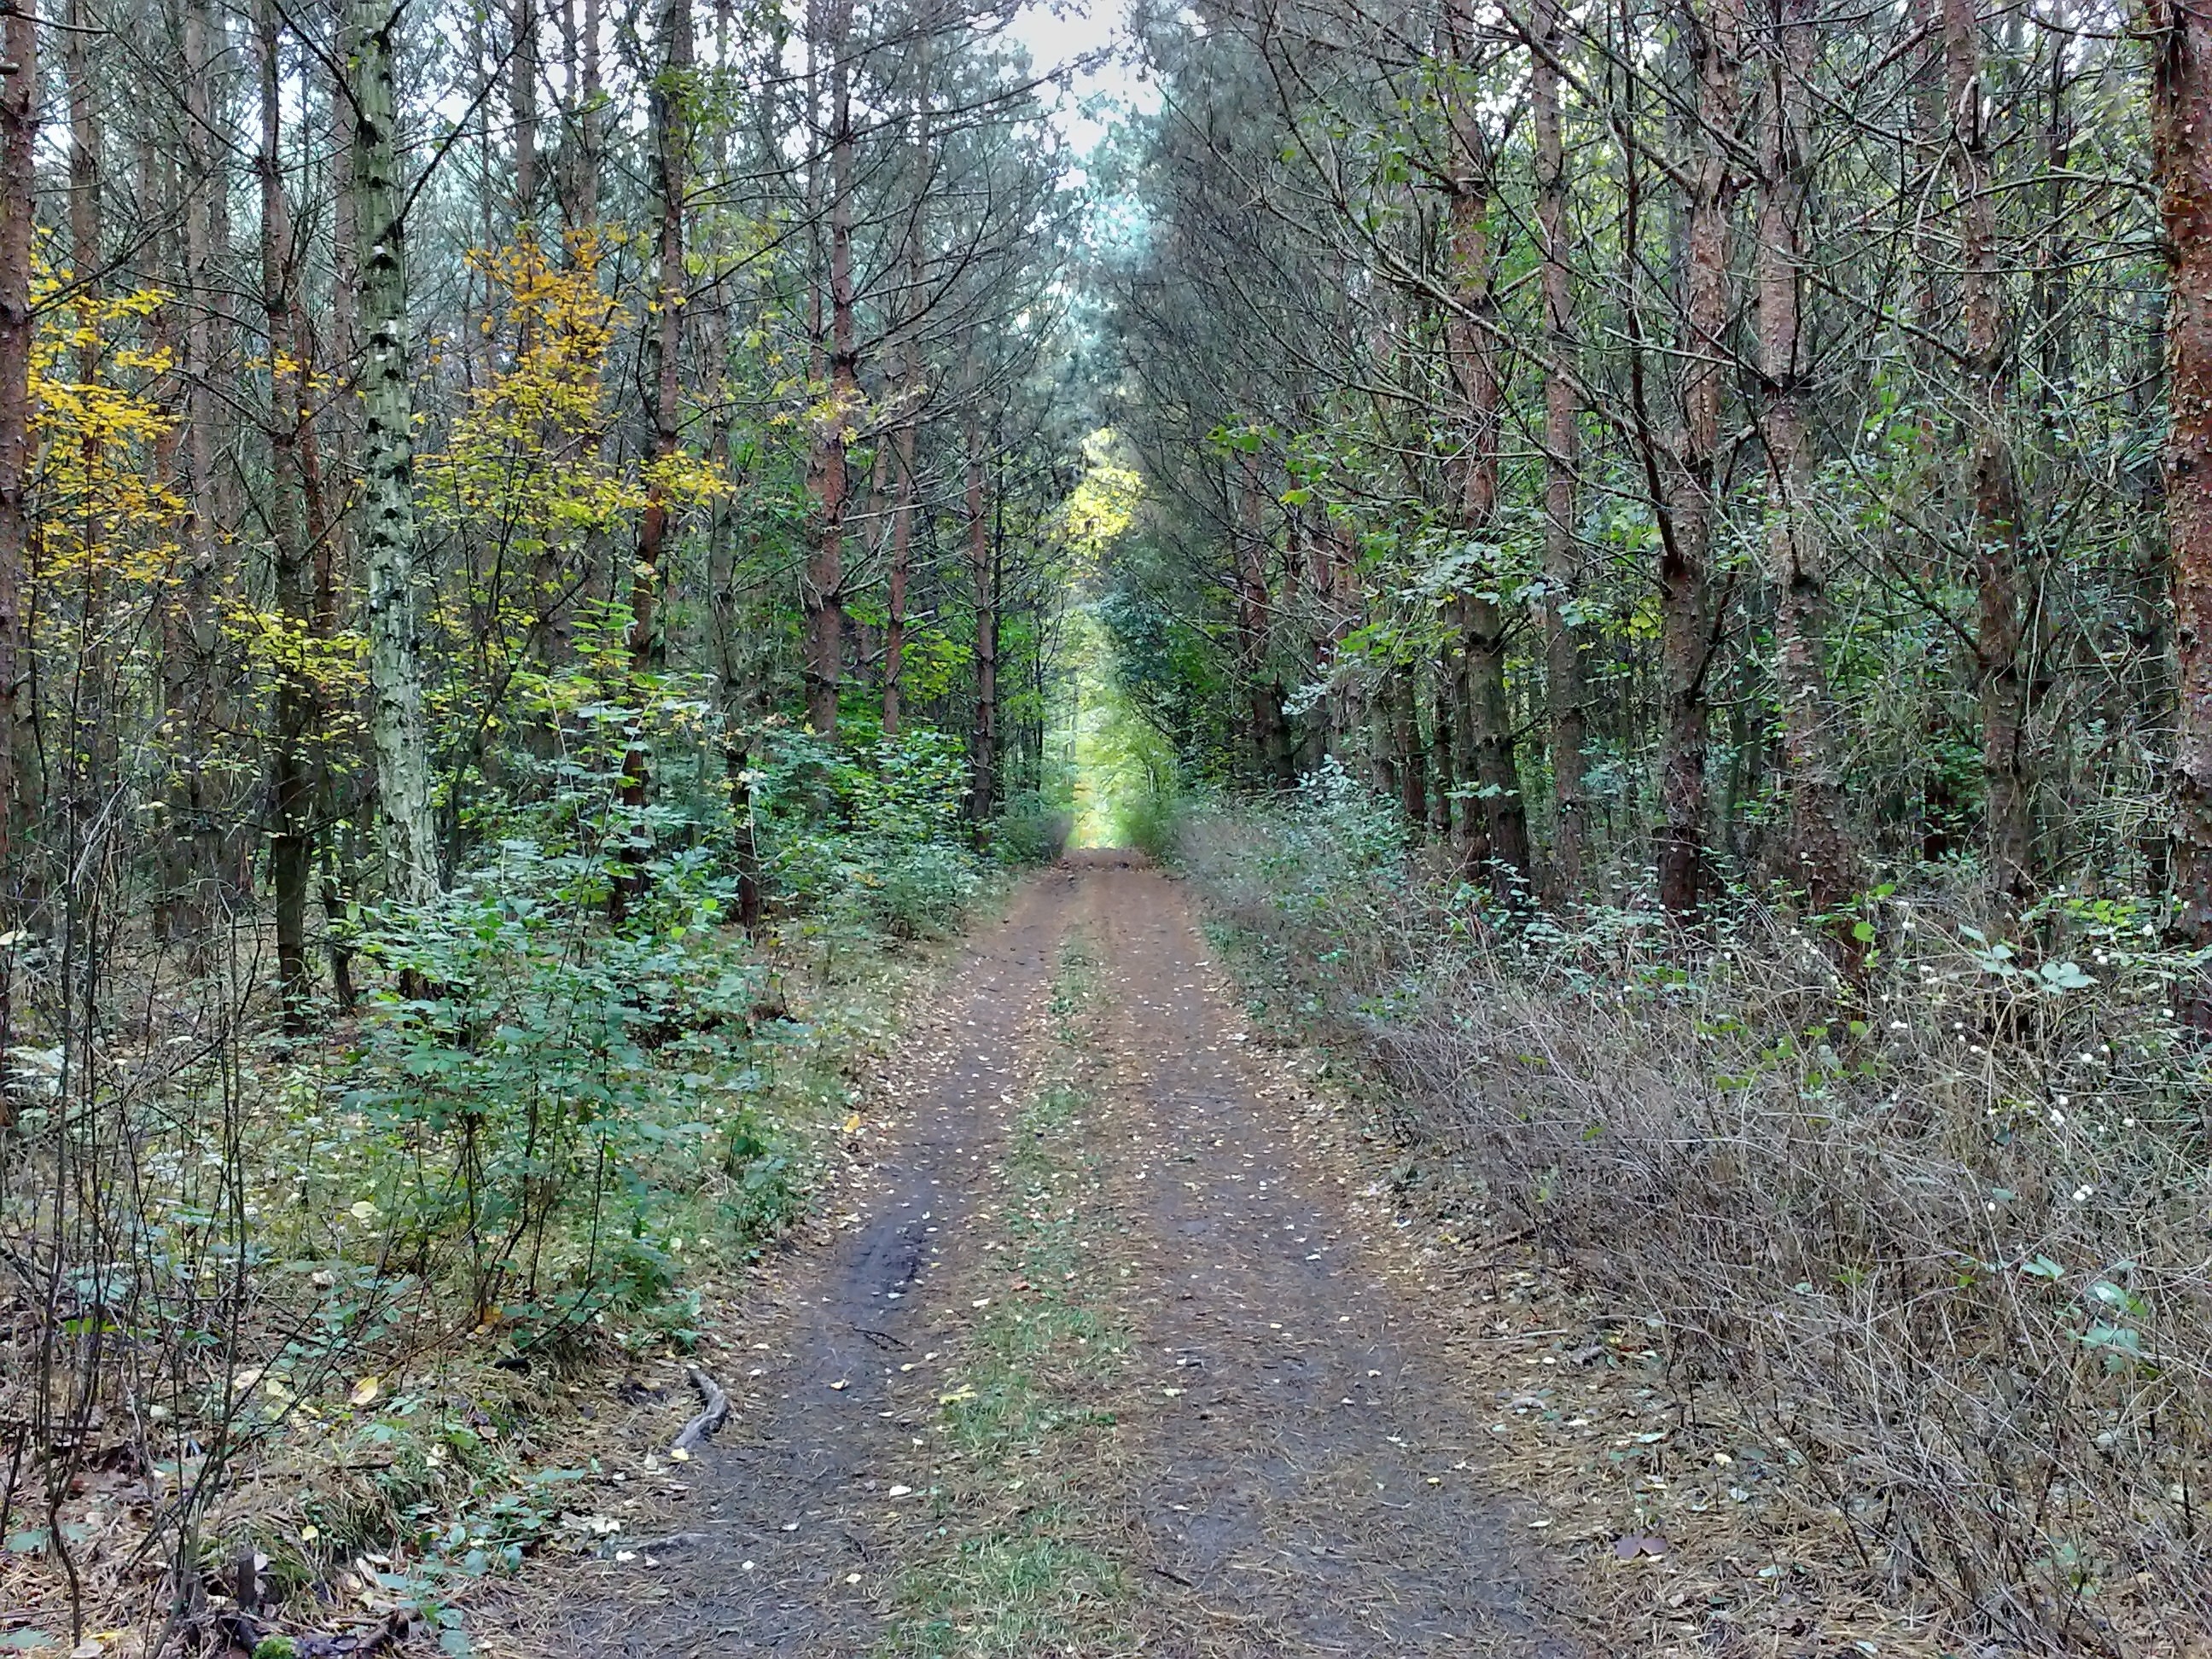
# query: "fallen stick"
{"type": "Point", "coordinates": [716, 1413]}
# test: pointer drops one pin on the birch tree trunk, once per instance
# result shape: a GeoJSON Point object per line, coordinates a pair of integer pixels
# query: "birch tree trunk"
{"type": "Point", "coordinates": [664, 343]}
{"type": "Point", "coordinates": [386, 514]}
{"type": "Point", "coordinates": [19, 133]}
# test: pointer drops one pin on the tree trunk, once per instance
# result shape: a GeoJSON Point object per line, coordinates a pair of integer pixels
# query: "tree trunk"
{"type": "Point", "coordinates": [2181, 126]}
{"type": "Point", "coordinates": [1263, 698]}
{"type": "Point", "coordinates": [1448, 721]}
{"type": "Point", "coordinates": [1686, 630]}
{"type": "Point", "coordinates": [84, 158]}
{"type": "Point", "coordinates": [1821, 857]}
{"type": "Point", "coordinates": [583, 144]}
{"type": "Point", "coordinates": [291, 768]}
{"type": "Point", "coordinates": [664, 354]}
{"type": "Point", "coordinates": [664, 344]}
{"type": "Point", "coordinates": [522, 110]}
{"type": "Point", "coordinates": [1410, 761]}
{"type": "Point", "coordinates": [387, 508]}
{"type": "Point", "coordinates": [822, 592]}
{"type": "Point", "coordinates": [2000, 634]}
{"type": "Point", "coordinates": [912, 390]}
{"type": "Point", "coordinates": [983, 574]}
{"type": "Point", "coordinates": [2146, 691]}
{"type": "Point", "coordinates": [19, 133]}
{"type": "Point", "coordinates": [1500, 846]}
{"type": "Point", "coordinates": [901, 558]}
{"type": "Point", "coordinates": [1563, 641]}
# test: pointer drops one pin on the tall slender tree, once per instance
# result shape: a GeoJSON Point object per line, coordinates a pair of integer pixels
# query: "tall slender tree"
{"type": "Point", "coordinates": [2181, 117]}
{"type": "Point", "coordinates": [1822, 859]}
{"type": "Point", "coordinates": [386, 514]}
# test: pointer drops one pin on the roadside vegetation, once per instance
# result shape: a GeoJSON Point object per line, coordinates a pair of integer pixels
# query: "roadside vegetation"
{"type": "Point", "coordinates": [1932, 1235]}
{"type": "Point", "coordinates": [343, 1319]}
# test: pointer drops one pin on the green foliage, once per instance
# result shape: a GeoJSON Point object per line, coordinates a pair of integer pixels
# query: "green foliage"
{"type": "Point", "coordinates": [555, 1068]}
{"type": "Point", "coordinates": [873, 834]}
{"type": "Point", "coordinates": [1030, 830]}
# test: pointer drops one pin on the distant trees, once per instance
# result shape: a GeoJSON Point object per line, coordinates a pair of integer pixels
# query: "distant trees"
{"type": "Point", "coordinates": [1736, 412]}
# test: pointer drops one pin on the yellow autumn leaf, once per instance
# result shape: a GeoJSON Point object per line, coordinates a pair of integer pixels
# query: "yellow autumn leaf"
{"type": "Point", "coordinates": [365, 1391]}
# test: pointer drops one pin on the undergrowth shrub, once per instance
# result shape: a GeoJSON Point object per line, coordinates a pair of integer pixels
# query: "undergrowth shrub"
{"type": "Point", "coordinates": [874, 836]}
{"type": "Point", "coordinates": [1030, 830]}
{"type": "Point", "coordinates": [1944, 1232]}
{"type": "Point", "coordinates": [316, 1286]}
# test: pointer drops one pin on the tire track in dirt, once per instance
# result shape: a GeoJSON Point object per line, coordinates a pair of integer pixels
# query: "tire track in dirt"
{"type": "Point", "coordinates": [1310, 1472]}
{"type": "Point", "coordinates": [1290, 1467]}
{"type": "Point", "coordinates": [790, 1502]}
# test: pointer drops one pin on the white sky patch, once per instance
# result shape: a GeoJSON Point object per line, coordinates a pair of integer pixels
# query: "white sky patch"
{"type": "Point", "coordinates": [1061, 32]}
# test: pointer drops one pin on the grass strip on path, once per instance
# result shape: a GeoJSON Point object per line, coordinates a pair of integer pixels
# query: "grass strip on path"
{"type": "Point", "coordinates": [1014, 1566]}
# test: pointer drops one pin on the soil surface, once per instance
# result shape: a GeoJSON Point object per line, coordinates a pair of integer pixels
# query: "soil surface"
{"type": "Point", "coordinates": [1269, 1451]}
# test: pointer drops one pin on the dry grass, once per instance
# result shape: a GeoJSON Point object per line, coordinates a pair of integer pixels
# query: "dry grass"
{"type": "Point", "coordinates": [1938, 1243]}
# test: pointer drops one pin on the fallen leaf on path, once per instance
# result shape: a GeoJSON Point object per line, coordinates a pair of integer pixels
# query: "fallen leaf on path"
{"type": "Point", "coordinates": [841, 1384]}
{"type": "Point", "coordinates": [1632, 1544]}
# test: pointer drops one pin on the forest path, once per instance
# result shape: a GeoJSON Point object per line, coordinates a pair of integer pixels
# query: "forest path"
{"type": "Point", "coordinates": [1102, 1368]}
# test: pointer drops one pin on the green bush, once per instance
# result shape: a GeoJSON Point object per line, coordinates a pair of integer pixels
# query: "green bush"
{"type": "Point", "coordinates": [917, 891]}
{"type": "Point", "coordinates": [1031, 831]}
{"type": "Point", "coordinates": [557, 1080]}
{"type": "Point", "coordinates": [1148, 822]}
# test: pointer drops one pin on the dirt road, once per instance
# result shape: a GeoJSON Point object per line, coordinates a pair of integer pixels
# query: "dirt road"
{"type": "Point", "coordinates": [1099, 1367]}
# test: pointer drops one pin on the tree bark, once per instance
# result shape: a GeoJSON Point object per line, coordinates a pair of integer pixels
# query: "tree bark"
{"type": "Point", "coordinates": [2000, 633]}
{"type": "Point", "coordinates": [822, 592]}
{"type": "Point", "coordinates": [1263, 696]}
{"type": "Point", "coordinates": [912, 390]}
{"type": "Point", "coordinates": [1821, 857]}
{"type": "Point", "coordinates": [1409, 764]}
{"type": "Point", "coordinates": [664, 343]}
{"type": "Point", "coordinates": [902, 558]}
{"type": "Point", "coordinates": [386, 509]}
{"type": "Point", "coordinates": [1685, 553]}
{"type": "Point", "coordinates": [1563, 576]}
{"type": "Point", "coordinates": [583, 142]}
{"type": "Point", "coordinates": [982, 574]}
{"type": "Point", "coordinates": [1497, 840]}
{"type": "Point", "coordinates": [19, 132]}
{"type": "Point", "coordinates": [522, 109]}
{"type": "Point", "coordinates": [291, 768]}
{"type": "Point", "coordinates": [2181, 128]}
